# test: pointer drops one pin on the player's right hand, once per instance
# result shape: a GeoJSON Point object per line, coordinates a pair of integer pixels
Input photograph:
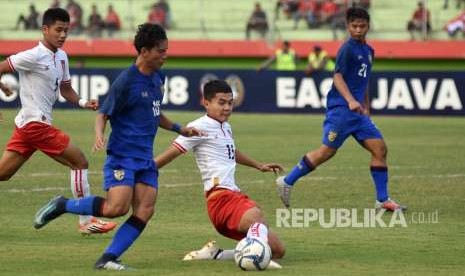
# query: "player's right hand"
{"type": "Point", "coordinates": [6, 90]}
{"type": "Point", "coordinates": [99, 144]}
{"type": "Point", "coordinates": [356, 107]}
{"type": "Point", "coordinates": [92, 104]}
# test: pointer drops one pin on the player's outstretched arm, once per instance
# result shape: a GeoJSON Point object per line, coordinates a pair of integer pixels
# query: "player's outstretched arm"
{"type": "Point", "coordinates": [167, 156]}
{"type": "Point", "coordinates": [264, 167]}
{"type": "Point", "coordinates": [67, 91]}
{"type": "Point", "coordinates": [184, 131]}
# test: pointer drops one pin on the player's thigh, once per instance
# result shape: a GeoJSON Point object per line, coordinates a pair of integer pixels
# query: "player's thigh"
{"type": "Point", "coordinates": [10, 162]}
{"type": "Point", "coordinates": [72, 157]}
{"type": "Point", "coordinates": [251, 216]}
{"type": "Point", "coordinates": [336, 127]}
{"type": "Point", "coordinates": [118, 200]}
{"type": "Point", "coordinates": [144, 200]}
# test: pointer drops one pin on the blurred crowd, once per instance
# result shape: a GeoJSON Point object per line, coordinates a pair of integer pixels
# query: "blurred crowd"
{"type": "Point", "coordinates": [313, 13]}
{"type": "Point", "coordinates": [96, 24]}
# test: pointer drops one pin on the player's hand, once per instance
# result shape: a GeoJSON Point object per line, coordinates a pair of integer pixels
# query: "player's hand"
{"type": "Point", "coordinates": [356, 107]}
{"type": "Point", "coordinates": [6, 89]}
{"type": "Point", "coordinates": [192, 131]}
{"type": "Point", "coordinates": [270, 167]}
{"type": "Point", "coordinates": [92, 104]}
{"type": "Point", "coordinates": [100, 143]}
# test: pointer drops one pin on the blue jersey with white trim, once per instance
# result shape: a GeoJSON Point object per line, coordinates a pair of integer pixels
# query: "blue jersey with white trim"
{"type": "Point", "coordinates": [133, 106]}
{"type": "Point", "coordinates": [354, 60]}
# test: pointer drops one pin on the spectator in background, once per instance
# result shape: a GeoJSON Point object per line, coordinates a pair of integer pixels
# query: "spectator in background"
{"type": "Point", "coordinates": [456, 25]}
{"type": "Point", "coordinates": [309, 11]}
{"type": "Point", "coordinates": [458, 4]}
{"type": "Point", "coordinates": [421, 18]}
{"type": "Point", "coordinates": [165, 7]}
{"type": "Point", "coordinates": [257, 22]}
{"type": "Point", "coordinates": [338, 21]}
{"type": "Point", "coordinates": [286, 59]}
{"type": "Point", "coordinates": [95, 24]}
{"type": "Point", "coordinates": [55, 4]}
{"type": "Point", "coordinates": [328, 10]}
{"type": "Point", "coordinates": [288, 7]}
{"type": "Point", "coordinates": [157, 16]}
{"type": "Point", "coordinates": [112, 22]}
{"type": "Point", "coordinates": [318, 61]}
{"type": "Point", "coordinates": [75, 17]}
{"type": "Point", "coordinates": [31, 22]}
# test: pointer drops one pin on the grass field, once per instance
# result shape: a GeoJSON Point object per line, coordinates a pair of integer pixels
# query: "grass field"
{"type": "Point", "coordinates": [427, 168]}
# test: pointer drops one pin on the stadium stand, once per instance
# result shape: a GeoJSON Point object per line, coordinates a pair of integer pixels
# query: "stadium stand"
{"type": "Point", "coordinates": [224, 19]}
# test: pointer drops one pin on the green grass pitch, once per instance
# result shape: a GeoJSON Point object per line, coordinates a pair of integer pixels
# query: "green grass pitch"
{"type": "Point", "coordinates": [427, 169]}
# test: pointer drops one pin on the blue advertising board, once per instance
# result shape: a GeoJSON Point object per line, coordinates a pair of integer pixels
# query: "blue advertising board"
{"type": "Point", "coordinates": [400, 93]}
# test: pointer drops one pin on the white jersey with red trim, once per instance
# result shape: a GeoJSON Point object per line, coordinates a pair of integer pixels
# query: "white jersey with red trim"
{"type": "Point", "coordinates": [214, 153]}
{"type": "Point", "coordinates": [41, 71]}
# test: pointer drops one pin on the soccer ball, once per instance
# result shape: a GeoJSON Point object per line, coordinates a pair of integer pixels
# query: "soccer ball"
{"type": "Point", "coordinates": [252, 254]}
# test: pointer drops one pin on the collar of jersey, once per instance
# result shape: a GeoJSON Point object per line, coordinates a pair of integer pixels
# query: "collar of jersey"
{"type": "Point", "coordinates": [41, 45]}
{"type": "Point", "coordinates": [214, 121]}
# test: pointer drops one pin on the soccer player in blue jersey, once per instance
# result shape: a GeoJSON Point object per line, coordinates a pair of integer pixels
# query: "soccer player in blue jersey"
{"type": "Point", "coordinates": [130, 174]}
{"type": "Point", "coordinates": [348, 115]}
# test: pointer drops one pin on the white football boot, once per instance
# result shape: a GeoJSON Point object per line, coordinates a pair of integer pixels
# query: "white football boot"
{"type": "Point", "coordinates": [207, 252]}
{"type": "Point", "coordinates": [284, 191]}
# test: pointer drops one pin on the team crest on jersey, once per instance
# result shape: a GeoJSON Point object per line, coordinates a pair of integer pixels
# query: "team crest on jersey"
{"type": "Point", "coordinates": [332, 136]}
{"type": "Point", "coordinates": [118, 174]}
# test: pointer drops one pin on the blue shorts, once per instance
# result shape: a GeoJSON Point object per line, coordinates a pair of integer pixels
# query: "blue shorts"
{"type": "Point", "coordinates": [129, 171]}
{"type": "Point", "coordinates": [340, 123]}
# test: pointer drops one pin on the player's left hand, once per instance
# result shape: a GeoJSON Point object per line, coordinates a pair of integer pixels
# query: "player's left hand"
{"type": "Point", "coordinates": [192, 131]}
{"type": "Point", "coordinates": [92, 104]}
{"type": "Point", "coordinates": [270, 167]}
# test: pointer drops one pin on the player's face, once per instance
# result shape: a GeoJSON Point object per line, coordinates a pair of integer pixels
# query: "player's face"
{"type": "Point", "coordinates": [220, 107]}
{"type": "Point", "coordinates": [358, 28]}
{"type": "Point", "coordinates": [55, 34]}
{"type": "Point", "coordinates": [156, 56]}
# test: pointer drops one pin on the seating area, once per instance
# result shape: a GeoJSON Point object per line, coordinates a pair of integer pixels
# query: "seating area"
{"type": "Point", "coordinates": [226, 20]}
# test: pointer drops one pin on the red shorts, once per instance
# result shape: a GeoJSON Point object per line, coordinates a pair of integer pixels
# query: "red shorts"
{"type": "Point", "coordinates": [226, 209]}
{"type": "Point", "coordinates": [38, 136]}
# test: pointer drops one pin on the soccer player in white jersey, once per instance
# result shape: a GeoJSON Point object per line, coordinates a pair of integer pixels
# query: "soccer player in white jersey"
{"type": "Point", "coordinates": [232, 213]}
{"type": "Point", "coordinates": [43, 76]}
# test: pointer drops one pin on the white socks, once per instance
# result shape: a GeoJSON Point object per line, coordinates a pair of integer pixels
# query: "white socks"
{"type": "Point", "coordinates": [225, 254]}
{"type": "Point", "coordinates": [80, 188]}
{"type": "Point", "coordinates": [258, 231]}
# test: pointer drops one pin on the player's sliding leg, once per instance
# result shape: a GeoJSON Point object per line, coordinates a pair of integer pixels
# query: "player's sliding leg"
{"type": "Point", "coordinates": [306, 165]}
{"type": "Point", "coordinates": [80, 188]}
{"type": "Point", "coordinates": [253, 224]}
{"type": "Point", "coordinates": [379, 174]}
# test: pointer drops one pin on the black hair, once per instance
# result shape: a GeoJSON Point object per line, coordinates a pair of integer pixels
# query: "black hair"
{"type": "Point", "coordinates": [215, 86]}
{"type": "Point", "coordinates": [148, 36]}
{"type": "Point", "coordinates": [53, 15]}
{"type": "Point", "coordinates": [357, 13]}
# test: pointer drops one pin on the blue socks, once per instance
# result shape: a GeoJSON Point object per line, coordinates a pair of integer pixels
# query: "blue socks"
{"type": "Point", "coordinates": [302, 168]}
{"type": "Point", "coordinates": [380, 178]}
{"type": "Point", "coordinates": [90, 205]}
{"type": "Point", "coordinates": [125, 236]}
